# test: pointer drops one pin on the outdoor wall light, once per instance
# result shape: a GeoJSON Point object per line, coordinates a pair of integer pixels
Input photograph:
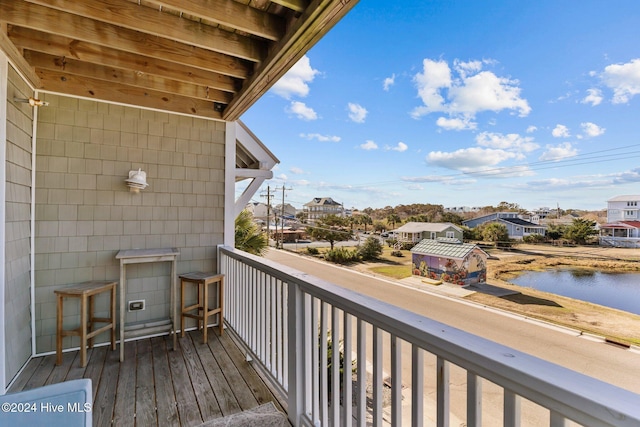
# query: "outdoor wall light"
{"type": "Point", "coordinates": [137, 181]}
{"type": "Point", "coordinates": [31, 101]}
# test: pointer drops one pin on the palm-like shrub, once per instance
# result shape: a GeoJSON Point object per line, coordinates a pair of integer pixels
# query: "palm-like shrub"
{"type": "Point", "coordinates": [248, 236]}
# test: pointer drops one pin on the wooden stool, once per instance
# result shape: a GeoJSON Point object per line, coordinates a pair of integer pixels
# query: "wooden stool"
{"type": "Point", "coordinates": [202, 280]}
{"type": "Point", "coordinates": [86, 291]}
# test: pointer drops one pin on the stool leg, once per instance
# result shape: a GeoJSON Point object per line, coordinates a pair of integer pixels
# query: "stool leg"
{"type": "Point", "coordinates": [182, 306]}
{"type": "Point", "coordinates": [90, 317]}
{"type": "Point", "coordinates": [221, 305]}
{"type": "Point", "coordinates": [59, 331]}
{"type": "Point", "coordinates": [200, 305]}
{"type": "Point", "coordinates": [83, 331]}
{"type": "Point", "coordinates": [112, 319]}
{"type": "Point", "coordinates": [205, 311]}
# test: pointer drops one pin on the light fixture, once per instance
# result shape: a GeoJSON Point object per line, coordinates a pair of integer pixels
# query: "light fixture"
{"type": "Point", "coordinates": [31, 101]}
{"type": "Point", "coordinates": [137, 181]}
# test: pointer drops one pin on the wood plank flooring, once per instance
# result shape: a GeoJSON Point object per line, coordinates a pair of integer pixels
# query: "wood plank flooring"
{"type": "Point", "coordinates": [155, 386]}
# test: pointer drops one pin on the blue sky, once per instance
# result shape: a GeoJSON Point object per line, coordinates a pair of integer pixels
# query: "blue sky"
{"type": "Point", "coordinates": [462, 103]}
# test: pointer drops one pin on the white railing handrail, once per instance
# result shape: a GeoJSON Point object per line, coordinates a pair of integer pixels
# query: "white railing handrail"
{"type": "Point", "coordinates": [573, 395]}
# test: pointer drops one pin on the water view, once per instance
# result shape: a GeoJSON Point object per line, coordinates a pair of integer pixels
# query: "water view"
{"type": "Point", "coordinates": [616, 290]}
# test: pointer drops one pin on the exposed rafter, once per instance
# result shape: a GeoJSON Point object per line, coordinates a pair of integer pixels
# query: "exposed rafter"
{"type": "Point", "coordinates": [211, 58]}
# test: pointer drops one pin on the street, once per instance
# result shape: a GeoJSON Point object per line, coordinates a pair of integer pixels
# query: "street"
{"type": "Point", "coordinates": [594, 358]}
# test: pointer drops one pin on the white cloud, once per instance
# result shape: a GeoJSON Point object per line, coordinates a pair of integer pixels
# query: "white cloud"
{"type": "Point", "coordinates": [561, 131]}
{"type": "Point", "coordinates": [558, 152]}
{"type": "Point", "coordinates": [436, 75]}
{"type": "Point", "coordinates": [623, 79]}
{"type": "Point", "coordinates": [296, 81]}
{"type": "Point", "coordinates": [357, 112]}
{"type": "Point", "coordinates": [466, 68]}
{"type": "Point", "coordinates": [531, 129]}
{"type": "Point", "coordinates": [456, 123]}
{"type": "Point", "coordinates": [487, 92]}
{"type": "Point", "coordinates": [628, 176]}
{"type": "Point", "coordinates": [469, 159]}
{"type": "Point", "coordinates": [388, 82]}
{"type": "Point", "coordinates": [296, 170]}
{"type": "Point", "coordinates": [473, 90]}
{"type": "Point", "coordinates": [369, 145]}
{"type": "Point", "coordinates": [400, 147]}
{"type": "Point", "coordinates": [511, 141]}
{"type": "Point", "coordinates": [594, 97]}
{"type": "Point", "coordinates": [320, 137]}
{"type": "Point", "coordinates": [301, 111]}
{"type": "Point", "coordinates": [591, 130]}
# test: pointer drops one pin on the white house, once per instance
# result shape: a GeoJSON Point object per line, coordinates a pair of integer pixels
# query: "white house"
{"type": "Point", "coordinates": [417, 231]}
{"type": "Point", "coordinates": [623, 208]}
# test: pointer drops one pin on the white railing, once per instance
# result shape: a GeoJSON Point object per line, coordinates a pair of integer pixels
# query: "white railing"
{"type": "Point", "coordinates": [406, 369]}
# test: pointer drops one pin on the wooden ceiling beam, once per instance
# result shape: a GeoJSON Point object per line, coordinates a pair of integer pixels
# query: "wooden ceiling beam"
{"type": "Point", "coordinates": [295, 5]}
{"type": "Point", "coordinates": [16, 58]}
{"type": "Point", "coordinates": [43, 61]}
{"type": "Point", "coordinates": [69, 84]}
{"type": "Point", "coordinates": [134, 32]}
{"type": "Point", "coordinates": [230, 14]}
{"type": "Point", "coordinates": [88, 52]}
{"type": "Point", "coordinates": [310, 27]}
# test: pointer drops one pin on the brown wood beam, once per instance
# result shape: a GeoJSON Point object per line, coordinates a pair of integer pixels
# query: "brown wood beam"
{"type": "Point", "coordinates": [88, 52]}
{"type": "Point", "coordinates": [16, 58]}
{"type": "Point", "coordinates": [128, 29]}
{"type": "Point", "coordinates": [43, 61]}
{"type": "Point", "coordinates": [295, 5]}
{"type": "Point", "coordinates": [231, 14]}
{"type": "Point", "coordinates": [69, 84]}
{"type": "Point", "coordinates": [315, 22]}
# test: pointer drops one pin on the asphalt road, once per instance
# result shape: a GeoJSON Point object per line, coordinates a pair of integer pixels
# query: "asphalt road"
{"type": "Point", "coordinates": [606, 362]}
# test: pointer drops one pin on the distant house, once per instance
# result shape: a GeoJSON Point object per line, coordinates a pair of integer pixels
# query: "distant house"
{"type": "Point", "coordinates": [516, 226]}
{"type": "Point", "coordinates": [449, 260]}
{"type": "Point", "coordinates": [519, 228]}
{"type": "Point", "coordinates": [320, 207]}
{"type": "Point", "coordinates": [622, 234]}
{"type": "Point", "coordinates": [289, 211]}
{"type": "Point", "coordinates": [474, 222]}
{"type": "Point", "coordinates": [417, 231]}
{"type": "Point", "coordinates": [623, 222]}
{"type": "Point", "coordinates": [259, 211]}
{"type": "Point", "coordinates": [623, 208]}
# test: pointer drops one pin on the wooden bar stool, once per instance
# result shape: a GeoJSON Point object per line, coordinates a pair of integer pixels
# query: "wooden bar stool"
{"type": "Point", "coordinates": [202, 280]}
{"type": "Point", "coordinates": [86, 292]}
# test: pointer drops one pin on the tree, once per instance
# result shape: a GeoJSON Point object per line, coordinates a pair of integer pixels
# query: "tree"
{"type": "Point", "coordinates": [365, 220]}
{"type": "Point", "coordinates": [393, 219]}
{"type": "Point", "coordinates": [497, 233]}
{"type": "Point", "coordinates": [580, 231]}
{"type": "Point", "coordinates": [471, 233]}
{"type": "Point", "coordinates": [555, 231]}
{"type": "Point", "coordinates": [248, 236]}
{"type": "Point", "coordinates": [379, 226]}
{"type": "Point", "coordinates": [451, 217]}
{"type": "Point", "coordinates": [330, 228]}
{"type": "Point", "coordinates": [370, 249]}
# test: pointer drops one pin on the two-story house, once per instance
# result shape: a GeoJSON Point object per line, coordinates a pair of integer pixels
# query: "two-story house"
{"type": "Point", "coordinates": [319, 207]}
{"type": "Point", "coordinates": [623, 222]}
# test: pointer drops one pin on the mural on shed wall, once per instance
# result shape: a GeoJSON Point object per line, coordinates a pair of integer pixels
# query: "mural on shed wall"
{"type": "Point", "coordinates": [471, 269]}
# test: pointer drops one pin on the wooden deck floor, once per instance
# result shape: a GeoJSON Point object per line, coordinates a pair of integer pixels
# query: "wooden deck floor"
{"type": "Point", "coordinates": [156, 386]}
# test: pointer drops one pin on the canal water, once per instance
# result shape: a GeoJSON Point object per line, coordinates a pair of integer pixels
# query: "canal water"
{"type": "Point", "coordinates": [616, 290]}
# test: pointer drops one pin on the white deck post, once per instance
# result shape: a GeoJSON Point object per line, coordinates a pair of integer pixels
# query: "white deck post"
{"type": "Point", "coordinates": [295, 307]}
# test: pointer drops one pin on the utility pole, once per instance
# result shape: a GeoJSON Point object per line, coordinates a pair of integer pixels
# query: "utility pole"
{"type": "Point", "coordinates": [282, 217]}
{"type": "Point", "coordinates": [268, 196]}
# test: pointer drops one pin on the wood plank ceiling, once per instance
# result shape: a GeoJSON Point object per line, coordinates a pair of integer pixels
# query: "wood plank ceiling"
{"type": "Point", "coordinates": [209, 58]}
